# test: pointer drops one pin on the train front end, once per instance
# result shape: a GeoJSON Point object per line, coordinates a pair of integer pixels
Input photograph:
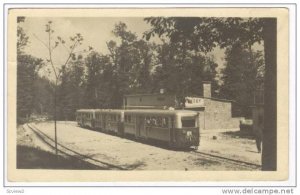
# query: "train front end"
{"type": "Point", "coordinates": [187, 131]}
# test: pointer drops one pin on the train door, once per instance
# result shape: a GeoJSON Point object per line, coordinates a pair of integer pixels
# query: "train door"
{"type": "Point", "coordinates": [137, 126]}
{"type": "Point", "coordinates": [143, 132]}
{"type": "Point", "coordinates": [140, 124]}
{"type": "Point", "coordinates": [83, 120]}
{"type": "Point", "coordinates": [103, 122]}
{"type": "Point", "coordinates": [172, 130]}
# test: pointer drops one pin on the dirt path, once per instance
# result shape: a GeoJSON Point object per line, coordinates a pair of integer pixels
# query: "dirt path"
{"type": "Point", "coordinates": [132, 155]}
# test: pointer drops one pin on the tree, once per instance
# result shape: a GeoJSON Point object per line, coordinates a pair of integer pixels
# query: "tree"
{"type": "Point", "coordinates": [43, 96]}
{"type": "Point", "coordinates": [94, 82]}
{"type": "Point", "coordinates": [51, 44]}
{"type": "Point", "coordinates": [131, 63]}
{"type": "Point", "coordinates": [183, 65]}
{"type": "Point", "coordinates": [193, 33]}
{"type": "Point", "coordinates": [205, 33]}
{"type": "Point", "coordinates": [146, 60]}
{"type": "Point", "coordinates": [27, 68]}
{"type": "Point", "coordinates": [243, 72]}
{"type": "Point", "coordinates": [182, 74]}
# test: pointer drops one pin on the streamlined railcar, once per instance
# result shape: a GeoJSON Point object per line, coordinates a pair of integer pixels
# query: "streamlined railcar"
{"type": "Point", "coordinates": [85, 117]}
{"type": "Point", "coordinates": [178, 128]}
{"type": "Point", "coordinates": [109, 120]}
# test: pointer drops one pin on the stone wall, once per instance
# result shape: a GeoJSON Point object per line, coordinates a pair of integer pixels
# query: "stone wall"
{"type": "Point", "coordinates": [217, 115]}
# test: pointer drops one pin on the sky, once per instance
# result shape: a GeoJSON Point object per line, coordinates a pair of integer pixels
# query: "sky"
{"type": "Point", "coordinates": [95, 31]}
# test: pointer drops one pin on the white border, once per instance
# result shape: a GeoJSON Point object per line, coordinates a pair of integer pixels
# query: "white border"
{"type": "Point", "coordinates": [292, 108]}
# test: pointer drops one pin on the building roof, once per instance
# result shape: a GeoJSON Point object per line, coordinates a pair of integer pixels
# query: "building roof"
{"type": "Point", "coordinates": [164, 94]}
{"type": "Point", "coordinates": [148, 94]}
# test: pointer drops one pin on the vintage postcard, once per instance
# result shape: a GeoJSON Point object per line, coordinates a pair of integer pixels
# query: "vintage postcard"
{"type": "Point", "coordinates": [160, 94]}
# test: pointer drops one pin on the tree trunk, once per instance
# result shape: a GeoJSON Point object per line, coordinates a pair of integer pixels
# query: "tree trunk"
{"type": "Point", "coordinates": [55, 118]}
{"type": "Point", "coordinates": [269, 154]}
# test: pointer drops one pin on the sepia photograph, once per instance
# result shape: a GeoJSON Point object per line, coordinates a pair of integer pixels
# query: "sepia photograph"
{"type": "Point", "coordinates": [150, 92]}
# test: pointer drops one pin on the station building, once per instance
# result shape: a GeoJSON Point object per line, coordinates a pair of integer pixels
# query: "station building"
{"type": "Point", "coordinates": [214, 113]}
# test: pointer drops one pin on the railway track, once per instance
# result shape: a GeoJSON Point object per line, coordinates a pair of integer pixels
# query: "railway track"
{"type": "Point", "coordinates": [222, 159]}
{"type": "Point", "coordinates": [69, 152]}
{"type": "Point", "coordinates": [74, 154]}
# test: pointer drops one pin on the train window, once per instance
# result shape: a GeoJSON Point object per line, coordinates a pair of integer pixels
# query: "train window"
{"type": "Point", "coordinates": [153, 121]}
{"type": "Point", "coordinates": [188, 122]}
{"type": "Point", "coordinates": [159, 121]}
{"type": "Point", "coordinates": [127, 119]}
{"type": "Point", "coordinates": [148, 121]}
{"type": "Point", "coordinates": [165, 122]}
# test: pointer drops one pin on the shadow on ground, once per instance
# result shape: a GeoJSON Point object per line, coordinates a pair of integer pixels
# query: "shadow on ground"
{"type": "Point", "coordinates": [239, 134]}
{"type": "Point", "coordinates": [35, 158]}
{"type": "Point", "coordinates": [206, 162]}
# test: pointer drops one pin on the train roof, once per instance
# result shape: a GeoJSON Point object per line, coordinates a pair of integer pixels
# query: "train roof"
{"type": "Point", "coordinates": [109, 111]}
{"type": "Point", "coordinates": [162, 112]}
{"type": "Point", "coordinates": [142, 111]}
{"type": "Point", "coordinates": [86, 110]}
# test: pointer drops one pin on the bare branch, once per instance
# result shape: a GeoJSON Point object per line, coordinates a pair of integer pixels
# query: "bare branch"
{"type": "Point", "coordinates": [70, 54]}
{"type": "Point", "coordinates": [50, 55]}
{"type": "Point", "coordinates": [68, 50]}
{"type": "Point", "coordinates": [80, 51]}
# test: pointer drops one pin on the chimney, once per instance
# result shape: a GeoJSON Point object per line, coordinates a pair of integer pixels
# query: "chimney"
{"type": "Point", "coordinates": [206, 89]}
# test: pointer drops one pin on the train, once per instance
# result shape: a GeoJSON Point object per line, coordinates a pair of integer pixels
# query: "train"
{"type": "Point", "coordinates": [176, 128]}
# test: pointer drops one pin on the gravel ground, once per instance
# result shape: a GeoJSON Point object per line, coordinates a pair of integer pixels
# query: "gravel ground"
{"type": "Point", "coordinates": [133, 155]}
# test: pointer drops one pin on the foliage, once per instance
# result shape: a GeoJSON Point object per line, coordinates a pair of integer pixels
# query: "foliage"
{"type": "Point", "coordinates": [182, 73]}
{"type": "Point", "coordinates": [132, 61]}
{"type": "Point", "coordinates": [203, 35]}
{"type": "Point", "coordinates": [27, 67]}
{"type": "Point", "coordinates": [94, 83]}
{"type": "Point", "coordinates": [244, 71]}
{"type": "Point", "coordinates": [179, 64]}
{"type": "Point", "coordinates": [43, 96]}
